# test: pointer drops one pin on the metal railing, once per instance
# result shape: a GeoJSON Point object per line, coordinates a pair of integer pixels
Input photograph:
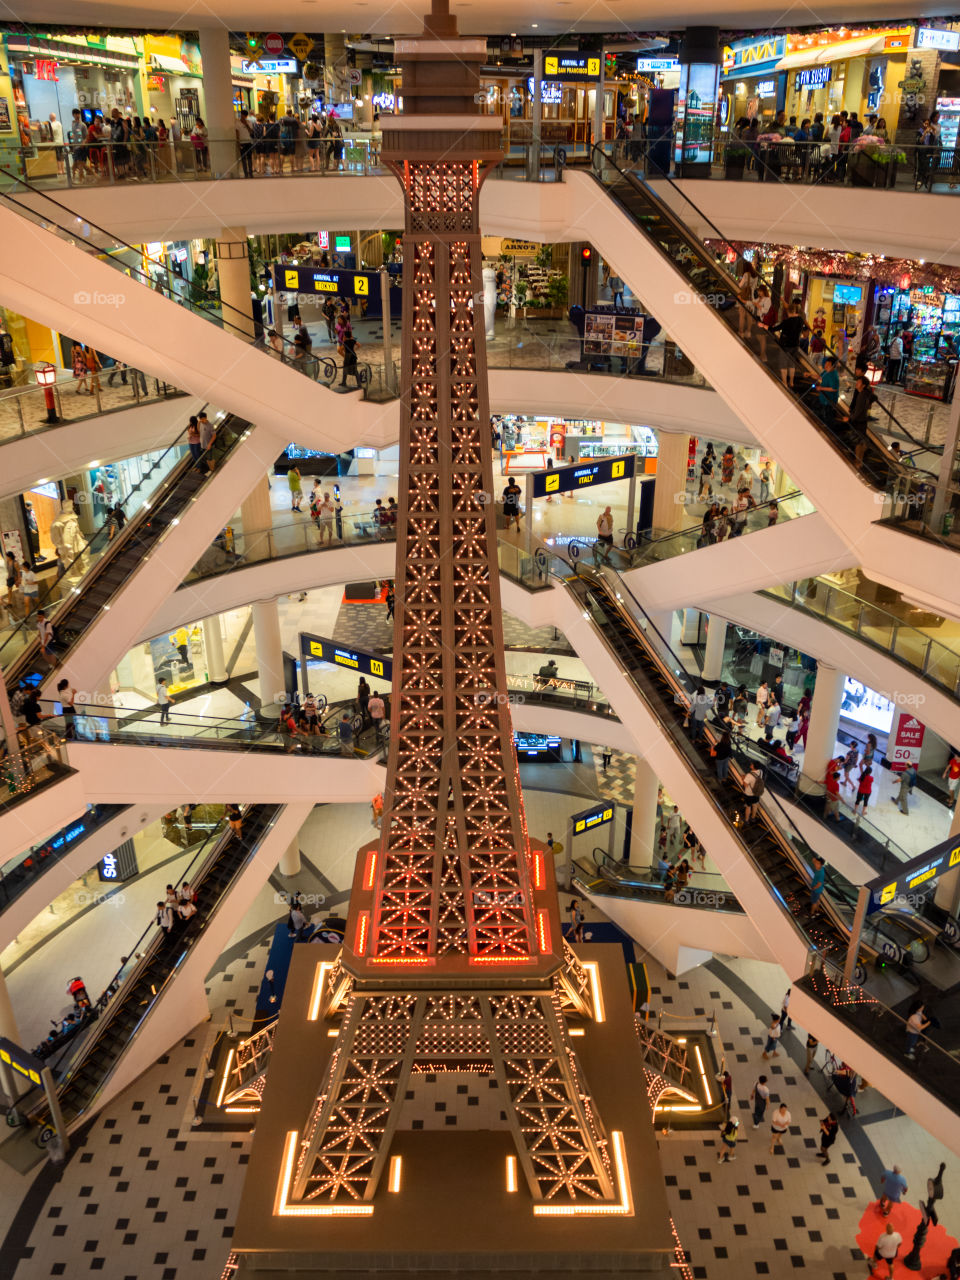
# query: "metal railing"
{"type": "Point", "coordinates": [21, 408]}
{"type": "Point", "coordinates": [104, 162]}
{"type": "Point", "coordinates": [38, 761]}
{"type": "Point", "coordinates": [878, 627]}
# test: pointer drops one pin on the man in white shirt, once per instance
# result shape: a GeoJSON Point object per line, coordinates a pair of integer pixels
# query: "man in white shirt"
{"type": "Point", "coordinates": [895, 359]}
{"type": "Point", "coordinates": [888, 1246]}
{"type": "Point", "coordinates": [165, 917]}
{"type": "Point", "coordinates": [325, 517]}
{"type": "Point", "coordinates": [56, 133]}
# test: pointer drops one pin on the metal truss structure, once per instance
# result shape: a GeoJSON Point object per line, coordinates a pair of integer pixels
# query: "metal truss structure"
{"type": "Point", "coordinates": [453, 939]}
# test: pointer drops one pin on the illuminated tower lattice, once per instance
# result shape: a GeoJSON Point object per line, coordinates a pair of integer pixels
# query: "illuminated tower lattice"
{"type": "Point", "coordinates": [453, 958]}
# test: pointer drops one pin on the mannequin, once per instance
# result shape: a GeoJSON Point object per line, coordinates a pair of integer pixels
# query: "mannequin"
{"type": "Point", "coordinates": [67, 538]}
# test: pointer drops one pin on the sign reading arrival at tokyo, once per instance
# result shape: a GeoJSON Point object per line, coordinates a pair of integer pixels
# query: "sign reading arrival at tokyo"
{"type": "Point", "coordinates": [919, 873]}
{"type": "Point", "coordinates": [323, 649]}
{"type": "Point", "coordinates": [583, 475]}
{"type": "Point", "coordinates": [572, 66]}
{"type": "Point", "coordinates": [355, 284]}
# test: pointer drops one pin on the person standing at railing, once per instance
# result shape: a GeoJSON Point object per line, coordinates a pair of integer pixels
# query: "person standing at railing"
{"type": "Point", "coordinates": [246, 141]}
{"type": "Point", "coordinates": [163, 699]}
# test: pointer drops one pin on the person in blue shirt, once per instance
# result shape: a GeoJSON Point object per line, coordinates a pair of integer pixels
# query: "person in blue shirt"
{"type": "Point", "coordinates": [817, 881]}
{"type": "Point", "coordinates": [894, 1184]}
{"type": "Point", "coordinates": [829, 392]}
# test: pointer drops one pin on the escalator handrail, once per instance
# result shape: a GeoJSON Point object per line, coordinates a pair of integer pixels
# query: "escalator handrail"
{"type": "Point", "coordinates": [219, 835]}
{"type": "Point", "coordinates": [597, 147]}
{"type": "Point", "coordinates": [243, 328]}
{"type": "Point", "coordinates": [122, 537]}
{"type": "Point", "coordinates": [148, 511]}
{"type": "Point", "coordinates": [793, 855]}
{"type": "Point", "coordinates": [733, 287]}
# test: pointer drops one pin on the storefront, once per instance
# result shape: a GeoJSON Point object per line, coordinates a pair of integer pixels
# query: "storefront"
{"type": "Point", "coordinates": [529, 442]}
{"type": "Point", "coordinates": [53, 76]}
{"type": "Point", "coordinates": [748, 77]}
{"type": "Point", "coordinates": [835, 70]}
{"type": "Point", "coordinates": [173, 74]}
{"type": "Point", "coordinates": [933, 320]}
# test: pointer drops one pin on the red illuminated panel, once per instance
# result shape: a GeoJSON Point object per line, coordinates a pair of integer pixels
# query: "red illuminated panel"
{"type": "Point", "coordinates": [363, 932]}
{"type": "Point", "coordinates": [539, 873]}
{"type": "Point", "coordinates": [370, 870]}
{"type": "Point", "coordinates": [543, 931]}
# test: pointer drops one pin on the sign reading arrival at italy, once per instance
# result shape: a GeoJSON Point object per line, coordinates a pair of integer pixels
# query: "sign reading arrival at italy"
{"type": "Point", "coordinates": [917, 874]}
{"type": "Point", "coordinates": [583, 475]}
{"type": "Point", "coordinates": [323, 649]}
{"type": "Point", "coordinates": [558, 65]}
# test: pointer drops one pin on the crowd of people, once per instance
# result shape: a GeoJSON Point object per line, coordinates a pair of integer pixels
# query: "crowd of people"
{"type": "Point", "coordinates": [300, 353]}
{"type": "Point", "coordinates": [271, 147]}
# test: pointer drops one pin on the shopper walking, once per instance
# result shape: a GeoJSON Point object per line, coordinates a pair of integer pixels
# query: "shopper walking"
{"type": "Point", "coordinates": [892, 1187]}
{"type": "Point", "coordinates": [908, 779]}
{"type": "Point", "coordinates": [917, 1023]}
{"type": "Point", "coordinates": [511, 504]}
{"type": "Point", "coordinates": [753, 788]}
{"type": "Point", "coordinates": [887, 1247]}
{"type": "Point", "coordinates": [345, 730]}
{"type": "Point", "coordinates": [779, 1124]}
{"type": "Point", "coordinates": [812, 1045]}
{"type": "Point", "coordinates": [774, 1032]}
{"type": "Point", "coordinates": [163, 698]}
{"type": "Point", "coordinates": [605, 534]}
{"type": "Point", "coordinates": [296, 489]}
{"type": "Point", "coordinates": [728, 1141]}
{"type": "Point", "coordinates": [864, 789]}
{"type": "Point", "coordinates": [828, 1136]}
{"type": "Point", "coordinates": [759, 1096]}
{"type": "Point", "coordinates": [952, 775]}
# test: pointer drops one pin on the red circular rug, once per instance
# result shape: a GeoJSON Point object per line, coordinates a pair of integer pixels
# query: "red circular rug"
{"type": "Point", "coordinates": [905, 1219]}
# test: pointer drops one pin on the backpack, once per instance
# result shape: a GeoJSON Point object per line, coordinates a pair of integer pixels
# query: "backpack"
{"type": "Point", "coordinates": [759, 787]}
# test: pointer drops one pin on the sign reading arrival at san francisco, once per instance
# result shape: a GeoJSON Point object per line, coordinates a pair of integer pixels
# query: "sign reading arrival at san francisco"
{"type": "Point", "coordinates": [558, 65]}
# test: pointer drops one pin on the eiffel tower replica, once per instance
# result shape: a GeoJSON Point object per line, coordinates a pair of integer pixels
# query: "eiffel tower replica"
{"type": "Point", "coordinates": [425, 1109]}
{"type": "Point", "coordinates": [453, 957]}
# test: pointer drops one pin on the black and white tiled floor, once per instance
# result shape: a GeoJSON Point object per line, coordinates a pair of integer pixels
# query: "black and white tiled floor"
{"type": "Point", "coordinates": [147, 1198]}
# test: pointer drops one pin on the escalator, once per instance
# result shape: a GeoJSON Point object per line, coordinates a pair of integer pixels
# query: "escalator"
{"type": "Point", "coordinates": [119, 560]}
{"type": "Point", "coordinates": [604, 874]}
{"type": "Point", "coordinates": [706, 278]}
{"type": "Point", "coordinates": [212, 872]}
{"type": "Point", "coordinates": [770, 842]}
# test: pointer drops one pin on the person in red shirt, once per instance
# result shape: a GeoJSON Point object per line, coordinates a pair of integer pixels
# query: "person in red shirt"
{"type": "Point", "coordinates": [832, 783]}
{"type": "Point", "coordinates": [864, 788]}
{"type": "Point", "coordinates": [952, 775]}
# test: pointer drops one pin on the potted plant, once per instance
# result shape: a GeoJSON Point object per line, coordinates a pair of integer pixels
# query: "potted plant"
{"type": "Point", "coordinates": [735, 160]}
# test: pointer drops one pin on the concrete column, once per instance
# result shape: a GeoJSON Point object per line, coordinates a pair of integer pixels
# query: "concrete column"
{"type": "Point", "coordinates": [213, 647]}
{"type": "Point", "coordinates": [289, 864]}
{"type": "Point", "coordinates": [824, 720]}
{"type": "Point", "coordinates": [233, 270]}
{"type": "Point", "coordinates": [256, 517]}
{"type": "Point", "coordinates": [690, 626]}
{"type": "Point", "coordinates": [8, 1022]}
{"type": "Point", "coordinates": [947, 894]}
{"type": "Point", "coordinates": [643, 827]}
{"type": "Point", "coordinates": [218, 113]}
{"type": "Point", "coordinates": [536, 114]}
{"type": "Point", "coordinates": [716, 642]}
{"type": "Point", "coordinates": [266, 632]}
{"type": "Point", "coordinates": [670, 486]}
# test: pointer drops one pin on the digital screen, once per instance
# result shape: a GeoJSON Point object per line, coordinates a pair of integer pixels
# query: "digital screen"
{"type": "Point", "coordinates": [583, 475]}
{"type": "Point", "coordinates": [696, 108]}
{"type": "Point", "coordinates": [613, 333]}
{"type": "Point", "coordinates": [342, 244]}
{"type": "Point", "coordinates": [847, 293]}
{"type": "Point", "coordinates": [538, 746]}
{"type": "Point", "coordinates": [866, 707]}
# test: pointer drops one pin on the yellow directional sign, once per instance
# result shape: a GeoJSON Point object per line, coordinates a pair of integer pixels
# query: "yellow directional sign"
{"type": "Point", "coordinates": [292, 278]}
{"type": "Point", "coordinates": [300, 45]}
{"type": "Point", "coordinates": [361, 285]}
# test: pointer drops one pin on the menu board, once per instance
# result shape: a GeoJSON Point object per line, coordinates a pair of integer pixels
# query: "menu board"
{"type": "Point", "coordinates": [613, 333]}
